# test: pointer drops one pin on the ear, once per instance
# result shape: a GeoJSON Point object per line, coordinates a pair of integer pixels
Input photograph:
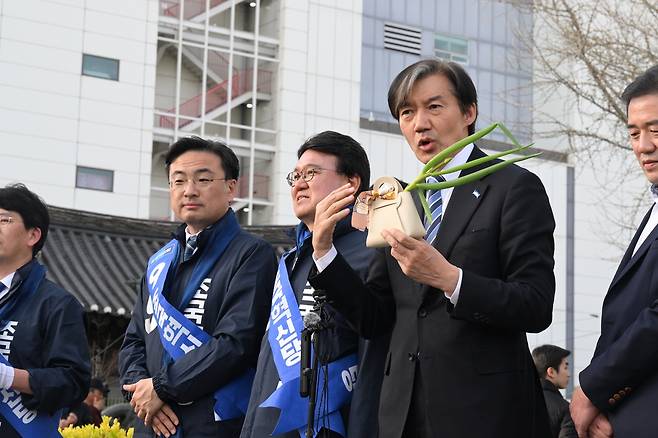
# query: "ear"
{"type": "Point", "coordinates": [471, 114]}
{"type": "Point", "coordinates": [355, 182]}
{"type": "Point", "coordinates": [551, 372]}
{"type": "Point", "coordinates": [33, 236]}
{"type": "Point", "coordinates": [231, 188]}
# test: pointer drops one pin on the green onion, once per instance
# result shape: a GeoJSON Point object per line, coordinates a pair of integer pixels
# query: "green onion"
{"type": "Point", "coordinates": [435, 166]}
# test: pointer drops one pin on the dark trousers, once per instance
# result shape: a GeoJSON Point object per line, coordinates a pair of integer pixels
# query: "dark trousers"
{"type": "Point", "coordinates": [417, 424]}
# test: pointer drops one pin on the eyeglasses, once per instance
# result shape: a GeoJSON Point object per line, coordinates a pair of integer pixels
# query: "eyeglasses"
{"type": "Point", "coordinates": [180, 183]}
{"type": "Point", "coordinates": [307, 175]}
{"type": "Point", "coordinates": [7, 220]}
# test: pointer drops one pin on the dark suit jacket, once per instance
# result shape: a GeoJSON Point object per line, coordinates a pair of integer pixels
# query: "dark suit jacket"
{"type": "Point", "coordinates": [622, 379]}
{"type": "Point", "coordinates": [470, 362]}
{"type": "Point", "coordinates": [558, 412]}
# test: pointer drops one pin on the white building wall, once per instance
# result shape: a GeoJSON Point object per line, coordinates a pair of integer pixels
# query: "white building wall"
{"type": "Point", "coordinates": [319, 81]}
{"type": "Point", "coordinates": [52, 118]}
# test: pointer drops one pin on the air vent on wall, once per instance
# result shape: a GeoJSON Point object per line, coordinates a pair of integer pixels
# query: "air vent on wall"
{"type": "Point", "coordinates": [402, 38]}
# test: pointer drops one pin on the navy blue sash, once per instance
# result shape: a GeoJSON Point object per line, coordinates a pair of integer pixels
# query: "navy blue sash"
{"type": "Point", "coordinates": [178, 334]}
{"type": "Point", "coordinates": [27, 423]}
{"type": "Point", "coordinates": [284, 336]}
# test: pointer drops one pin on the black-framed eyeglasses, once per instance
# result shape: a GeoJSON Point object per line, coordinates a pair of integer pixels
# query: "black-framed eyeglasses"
{"type": "Point", "coordinates": [306, 175]}
{"type": "Point", "coordinates": [180, 183]}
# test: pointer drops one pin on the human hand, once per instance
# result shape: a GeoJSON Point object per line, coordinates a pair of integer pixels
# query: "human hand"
{"type": "Point", "coordinates": [145, 401]}
{"type": "Point", "coordinates": [583, 412]}
{"type": "Point", "coordinates": [164, 421]}
{"type": "Point", "coordinates": [600, 427]}
{"type": "Point", "coordinates": [421, 262]}
{"type": "Point", "coordinates": [328, 213]}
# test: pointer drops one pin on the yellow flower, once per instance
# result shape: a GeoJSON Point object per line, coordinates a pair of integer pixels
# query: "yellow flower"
{"type": "Point", "coordinates": [109, 428]}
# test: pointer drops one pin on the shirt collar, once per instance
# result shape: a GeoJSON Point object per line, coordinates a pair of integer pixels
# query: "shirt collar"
{"type": "Point", "coordinates": [460, 158]}
{"type": "Point", "coordinates": [654, 192]}
{"type": "Point", "coordinates": [8, 279]}
{"type": "Point", "coordinates": [188, 234]}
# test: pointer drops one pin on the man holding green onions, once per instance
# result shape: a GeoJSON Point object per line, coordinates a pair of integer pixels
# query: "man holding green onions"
{"type": "Point", "coordinates": [461, 300]}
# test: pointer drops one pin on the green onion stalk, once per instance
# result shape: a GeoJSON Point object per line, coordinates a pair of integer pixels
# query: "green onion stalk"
{"type": "Point", "coordinates": [436, 166]}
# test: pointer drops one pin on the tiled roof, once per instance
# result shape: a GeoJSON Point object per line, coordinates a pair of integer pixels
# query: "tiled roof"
{"type": "Point", "coordinates": [100, 258]}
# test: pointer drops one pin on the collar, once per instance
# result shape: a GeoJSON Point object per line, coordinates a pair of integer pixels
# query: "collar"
{"type": "Point", "coordinates": [16, 277]}
{"type": "Point", "coordinates": [188, 234]}
{"type": "Point", "coordinates": [460, 158]}
{"type": "Point", "coordinates": [548, 385]}
{"type": "Point", "coordinates": [7, 280]}
{"type": "Point", "coordinates": [181, 234]}
{"type": "Point", "coordinates": [303, 235]}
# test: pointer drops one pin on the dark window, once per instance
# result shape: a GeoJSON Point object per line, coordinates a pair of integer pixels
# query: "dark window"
{"type": "Point", "coordinates": [451, 48]}
{"type": "Point", "coordinates": [95, 179]}
{"type": "Point", "coordinates": [99, 67]}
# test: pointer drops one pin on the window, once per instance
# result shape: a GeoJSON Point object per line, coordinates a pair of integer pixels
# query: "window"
{"type": "Point", "coordinates": [95, 179]}
{"type": "Point", "coordinates": [402, 38]}
{"type": "Point", "coordinates": [99, 67]}
{"type": "Point", "coordinates": [451, 49]}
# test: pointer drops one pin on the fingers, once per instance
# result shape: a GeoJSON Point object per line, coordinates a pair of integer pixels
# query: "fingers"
{"type": "Point", "coordinates": [600, 427]}
{"type": "Point", "coordinates": [399, 241]}
{"type": "Point", "coordinates": [336, 201]}
{"type": "Point", "coordinates": [163, 425]}
{"type": "Point", "coordinates": [170, 414]}
{"type": "Point", "coordinates": [160, 430]}
{"type": "Point", "coordinates": [130, 388]}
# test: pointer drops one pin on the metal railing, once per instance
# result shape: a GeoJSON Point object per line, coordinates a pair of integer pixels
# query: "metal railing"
{"type": "Point", "coordinates": [171, 8]}
{"type": "Point", "coordinates": [217, 96]}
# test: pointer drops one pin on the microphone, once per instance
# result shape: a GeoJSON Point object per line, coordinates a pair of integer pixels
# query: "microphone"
{"type": "Point", "coordinates": [312, 321]}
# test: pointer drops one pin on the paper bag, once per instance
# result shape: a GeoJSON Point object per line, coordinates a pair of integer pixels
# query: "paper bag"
{"type": "Point", "coordinates": [393, 208]}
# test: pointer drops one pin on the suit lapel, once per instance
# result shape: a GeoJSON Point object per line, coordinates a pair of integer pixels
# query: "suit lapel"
{"type": "Point", "coordinates": [463, 203]}
{"type": "Point", "coordinates": [629, 260]}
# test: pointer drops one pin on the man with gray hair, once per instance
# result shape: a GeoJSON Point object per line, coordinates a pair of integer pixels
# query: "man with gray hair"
{"type": "Point", "coordinates": [460, 301]}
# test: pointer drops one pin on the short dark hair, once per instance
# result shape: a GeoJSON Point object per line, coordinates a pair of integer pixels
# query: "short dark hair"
{"type": "Point", "coordinates": [643, 85]}
{"type": "Point", "coordinates": [548, 356]}
{"type": "Point", "coordinates": [229, 160]}
{"type": "Point", "coordinates": [351, 158]}
{"type": "Point", "coordinates": [98, 384]}
{"type": "Point", "coordinates": [462, 85]}
{"type": "Point", "coordinates": [33, 211]}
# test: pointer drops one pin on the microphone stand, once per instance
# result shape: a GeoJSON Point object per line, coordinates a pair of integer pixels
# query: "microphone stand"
{"type": "Point", "coordinates": [314, 323]}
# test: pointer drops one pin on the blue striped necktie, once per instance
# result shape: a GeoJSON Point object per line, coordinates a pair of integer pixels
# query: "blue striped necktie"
{"type": "Point", "coordinates": [436, 207]}
{"type": "Point", "coordinates": [190, 246]}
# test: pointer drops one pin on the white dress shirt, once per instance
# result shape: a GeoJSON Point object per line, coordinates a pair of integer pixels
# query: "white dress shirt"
{"type": "Point", "coordinates": [651, 223]}
{"type": "Point", "coordinates": [6, 282]}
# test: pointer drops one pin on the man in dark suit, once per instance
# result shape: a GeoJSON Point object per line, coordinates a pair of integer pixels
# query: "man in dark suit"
{"type": "Point", "coordinates": [553, 368]}
{"type": "Point", "coordinates": [459, 304]}
{"type": "Point", "coordinates": [619, 389]}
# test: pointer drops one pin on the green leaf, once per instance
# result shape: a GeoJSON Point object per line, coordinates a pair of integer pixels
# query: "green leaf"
{"type": "Point", "coordinates": [473, 176]}
{"type": "Point", "coordinates": [482, 160]}
{"type": "Point", "coordinates": [425, 204]}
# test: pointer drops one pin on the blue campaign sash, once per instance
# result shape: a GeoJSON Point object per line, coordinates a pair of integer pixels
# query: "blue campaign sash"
{"type": "Point", "coordinates": [27, 423]}
{"type": "Point", "coordinates": [178, 334]}
{"type": "Point", "coordinates": [284, 336]}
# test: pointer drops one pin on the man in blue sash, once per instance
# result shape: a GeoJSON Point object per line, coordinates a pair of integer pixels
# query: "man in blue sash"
{"type": "Point", "coordinates": [325, 162]}
{"type": "Point", "coordinates": [44, 358]}
{"type": "Point", "coordinates": [192, 343]}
